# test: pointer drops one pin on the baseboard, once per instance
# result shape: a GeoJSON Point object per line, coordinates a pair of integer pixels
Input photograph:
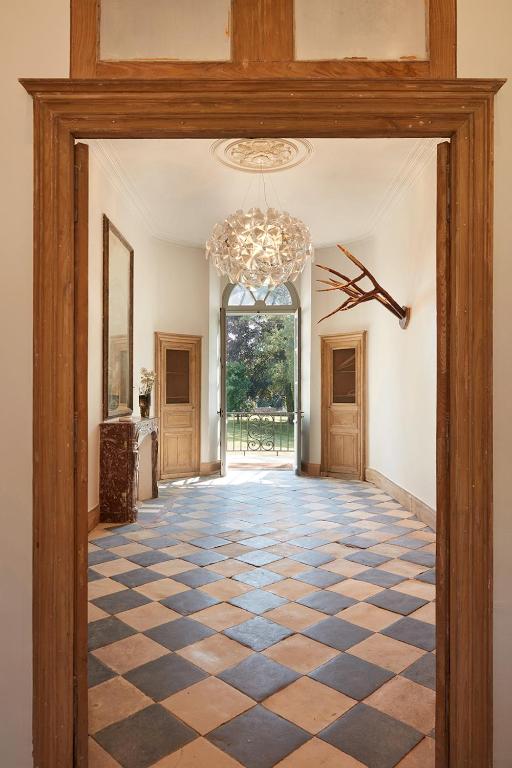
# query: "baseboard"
{"type": "Point", "coordinates": [93, 517]}
{"type": "Point", "coordinates": [311, 470]}
{"type": "Point", "coordinates": [422, 511]}
{"type": "Point", "coordinates": [209, 468]}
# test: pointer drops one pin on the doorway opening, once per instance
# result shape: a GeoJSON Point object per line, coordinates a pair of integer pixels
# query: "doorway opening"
{"type": "Point", "coordinates": [260, 378]}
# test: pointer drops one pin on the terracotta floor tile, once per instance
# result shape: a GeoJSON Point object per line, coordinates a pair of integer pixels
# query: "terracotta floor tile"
{"type": "Point", "coordinates": [142, 535]}
{"type": "Point", "coordinates": [103, 587]}
{"type": "Point", "coordinates": [344, 567]}
{"type": "Point", "coordinates": [368, 616]}
{"type": "Point", "coordinates": [300, 653]}
{"type": "Point", "coordinates": [208, 704]}
{"type": "Point", "coordinates": [148, 616]}
{"type": "Point", "coordinates": [221, 616]}
{"type": "Point", "coordinates": [131, 652]}
{"type": "Point", "coordinates": [426, 613]}
{"type": "Point", "coordinates": [413, 587]}
{"type": "Point", "coordinates": [359, 590]}
{"type": "Point", "coordinates": [230, 568]}
{"type": "Point", "coordinates": [388, 549]}
{"type": "Point", "coordinates": [232, 550]}
{"type": "Point", "coordinates": [337, 550]}
{"type": "Point", "coordinates": [125, 550]}
{"type": "Point", "coordinates": [294, 616]}
{"type": "Point", "coordinates": [113, 701]}
{"type": "Point", "coordinates": [386, 652]}
{"type": "Point", "coordinates": [402, 568]}
{"type": "Point", "coordinates": [199, 754]}
{"type": "Point", "coordinates": [157, 590]}
{"type": "Point", "coordinates": [225, 589]}
{"type": "Point", "coordinates": [288, 567]}
{"type": "Point", "coordinates": [113, 567]}
{"type": "Point", "coordinates": [291, 589]}
{"type": "Point", "coordinates": [215, 654]}
{"type": "Point", "coordinates": [173, 567]}
{"type": "Point", "coordinates": [406, 701]}
{"type": "Point", "coordinates": [98, 758]}
{"type": "Point", "coordinates": [94, 613]}
{"type": "Point", "coordinates": [430, 548]}
{"type": "Point", "coordinates": [309, 704]}
{"type": "Point", "coordinates": [319, 754]}
{"type": "Point", "coordinates": [285, 550]}
{"type": "Point", "coordinates": [424, 535]}
{"type": "Point", "coordinates": [180, 550]}
{"type": "Point", "coordinates": [422, 756]}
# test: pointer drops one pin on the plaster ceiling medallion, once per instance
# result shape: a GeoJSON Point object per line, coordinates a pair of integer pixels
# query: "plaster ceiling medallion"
{"type": "Point", "coordinates": [261, 155]}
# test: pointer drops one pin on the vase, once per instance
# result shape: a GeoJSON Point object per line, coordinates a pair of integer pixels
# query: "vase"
{"type": "Point", "coordinates": [145, 405]}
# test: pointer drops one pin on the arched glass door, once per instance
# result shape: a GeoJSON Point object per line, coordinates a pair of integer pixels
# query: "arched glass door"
{"type": "Point", "coordinates": [272, 426]}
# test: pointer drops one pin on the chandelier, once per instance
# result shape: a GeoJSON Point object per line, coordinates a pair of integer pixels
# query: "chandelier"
{"type": "Point", "coordinates": [260, 249]}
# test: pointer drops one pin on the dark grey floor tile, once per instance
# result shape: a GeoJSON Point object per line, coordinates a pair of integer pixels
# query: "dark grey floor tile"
{"type": "Point", "coordinates": [352, 676]}
{"type": "Point", "coordinates": [408, 542]}
{"type": "Point", "coordinates": [101, 556]}
{"type": "Point", "coordinates": [136, 578]}
{"type": "Point", "coordinates": [399, 602]}
{"type": "Point", "coordinates": [149, 558]}
{"type": "Point", "coordinates": [337, 633]}
{"type": "Point", "coordinates": [259, 677]}
{"type": "Point", "coordinates": [368, 558]}
{"type": "Point", "coordinates": [106, 542]}
{"type": "Point", "coordinates": [420, 558]}
{"type": "Point", "coordinates": [97, 672]}
{"type": "Point", "coordinates": [327, 602]}
{"type": "Point", "coordinates": [359, 542]}
{"type": "Point", "coordinates": [258, 633]}
{"type": "Point", "coordinates": [258, 601]}
{"type": "Point", "coordinates": [106, 631]}
{"type": "Point", "coordinates": [313, 558]}
{"type": "Point", "coordinates": [93, 576]}
{"type": "Point", "coordinates": [259, 577]}
{"type": "Point", "coordinates": [204, 558]}
{"type": "Point", "coordinates": [320, 578]}
{"type": "Point", "coordinates": [120, 601]}
{"type": "Point", "coordinates": [259, 557]}
{"type": "Point", "coordinates": [164, 676]}
{"type": "Point", "coordinates": [179, 633]}
{"type": "Point", "coordinates": [428, 576]}
{"type": "Point", "coordinates": [308, 542]}
{"type": "Point", "coordinates": [128, 528]}
{"type": "Point", "coordinates": [209, 542]}
{"type": "Point", "coordinates": [370, 736]}
{"type": "Point", "coordinates": [197, 577]}
{"type": "Point", "coordinates": [423, 671]}
{"type": "Point", "coordinates": [259, 542]}
{"type": "Point", "coordinates": [258, 738]}
{"type": "Point", "coordinates": [414, 632]}
{"type": "Point", "coordinates": [145, 737]}
{"type": "Point", "coordinates": [189, 602]}
{"type": "Point", "coordinates": [381, 578]}
{"type": "Point", "coordinates": [159, 542]}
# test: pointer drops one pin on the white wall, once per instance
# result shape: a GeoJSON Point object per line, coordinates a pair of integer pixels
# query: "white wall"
{"type": "Point", "coordinates": [34, 42]}
{"type": "Point", "coordinates": [401, 364]}
{"type": "Point", "coordinates": [171, 294]}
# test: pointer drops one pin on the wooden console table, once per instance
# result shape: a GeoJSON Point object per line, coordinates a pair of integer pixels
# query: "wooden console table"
{"type": "Point", "coordinates": [119, 467]}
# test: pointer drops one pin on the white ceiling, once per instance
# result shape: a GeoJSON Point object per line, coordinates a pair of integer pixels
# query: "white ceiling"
{"type": "Point", "coordinates": [341, 191]}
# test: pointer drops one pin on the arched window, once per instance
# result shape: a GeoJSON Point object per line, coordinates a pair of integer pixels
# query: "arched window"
{"type": "Point", "coordinates": [282, 298]}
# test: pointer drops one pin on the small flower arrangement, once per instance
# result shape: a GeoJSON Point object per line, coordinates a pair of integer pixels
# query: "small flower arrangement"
{"type": "Point", "coordinates": [147, 380]}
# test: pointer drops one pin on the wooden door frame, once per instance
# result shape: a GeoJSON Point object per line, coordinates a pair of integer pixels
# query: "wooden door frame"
{"type": "Point", "coordinates": [461, 110]}
{"type": "Point", "coordinates": [179, 338]}
{"type": "Point", "coordinates": [327, 344]}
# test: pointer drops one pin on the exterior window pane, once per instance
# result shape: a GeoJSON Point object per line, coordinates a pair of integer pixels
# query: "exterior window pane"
{"type": "Point", "coordinates": [180, 30]}
{"type": "Point", "coordinates": [379, 30]}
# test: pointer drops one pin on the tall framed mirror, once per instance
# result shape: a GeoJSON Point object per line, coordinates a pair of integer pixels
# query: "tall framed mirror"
{"type": "Point", "coordinates": [117, 323]}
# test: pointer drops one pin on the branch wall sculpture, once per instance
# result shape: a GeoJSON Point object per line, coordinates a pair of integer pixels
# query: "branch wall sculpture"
{"type": "Point", "coordinates": [357, 294]}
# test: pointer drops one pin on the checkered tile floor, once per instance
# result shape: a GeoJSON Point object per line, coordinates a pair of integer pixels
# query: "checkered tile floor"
{"type": "Point", "coordinates": [263, 620]}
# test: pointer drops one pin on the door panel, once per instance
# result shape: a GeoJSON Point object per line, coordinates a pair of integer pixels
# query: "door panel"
{"type": "Point", "coordinates": [178, 377]}
{"type": "Point", "coordinates": [343, 405]}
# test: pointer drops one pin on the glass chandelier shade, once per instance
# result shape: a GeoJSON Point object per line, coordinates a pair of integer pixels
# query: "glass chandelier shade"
{"type": "Point", "coordinates": [258, 249]}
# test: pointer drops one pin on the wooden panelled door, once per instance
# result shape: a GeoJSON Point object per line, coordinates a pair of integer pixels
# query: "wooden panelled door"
{"type": "Point", "coordinates": [179, 403]}
{"type": "Point", "coordinates": [343, 405]}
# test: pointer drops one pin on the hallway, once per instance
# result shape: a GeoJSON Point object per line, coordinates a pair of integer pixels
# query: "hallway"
{"type": "Point", "coordinates": [263, 620]}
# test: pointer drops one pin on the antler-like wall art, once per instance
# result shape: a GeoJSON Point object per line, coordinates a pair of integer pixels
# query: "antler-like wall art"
{"type": "Point", "coordinates": [357, 294]}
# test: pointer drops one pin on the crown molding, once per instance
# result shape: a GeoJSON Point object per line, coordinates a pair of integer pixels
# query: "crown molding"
{"type": "Point", "coordinates": [412, 168]}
